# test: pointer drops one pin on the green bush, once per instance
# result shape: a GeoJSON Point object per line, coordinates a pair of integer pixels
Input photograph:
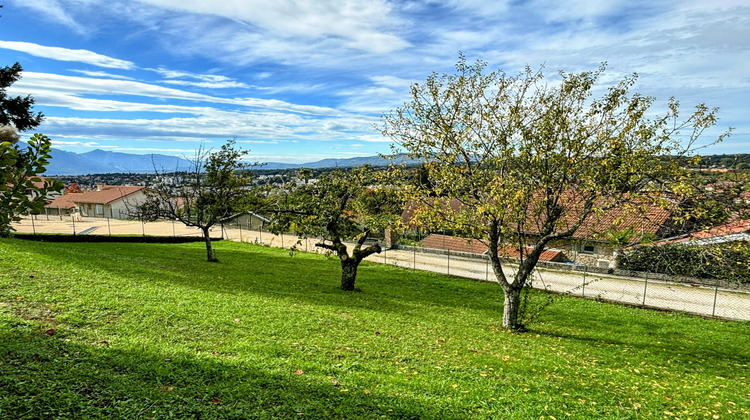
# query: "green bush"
{"type": "Point", "coordinates": [113, 238]}
{"type": "Point", "coordinates": [730, 261]}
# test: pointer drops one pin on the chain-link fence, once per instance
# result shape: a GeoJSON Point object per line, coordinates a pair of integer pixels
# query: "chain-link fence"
{"type": "Point", "coordinates": [704, 297]}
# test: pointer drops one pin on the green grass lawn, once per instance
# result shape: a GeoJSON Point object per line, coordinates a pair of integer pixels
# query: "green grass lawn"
{"type": "Point", "coordinates": [115, 330]}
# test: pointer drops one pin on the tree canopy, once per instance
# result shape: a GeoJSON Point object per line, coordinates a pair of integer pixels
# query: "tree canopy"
{"type": "Point", "coordinates": [16, 110]}
{"type": "Point", "coordinates": [337, 206]}
{"type": "Point", "coordinates": [21, 188]}
{"type": "Point", "coordinates": [214, 188]}
{"type": "Point", "coordinates": [514, 160]}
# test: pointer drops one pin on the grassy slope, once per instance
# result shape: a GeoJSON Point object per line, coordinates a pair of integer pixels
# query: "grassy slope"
{"type": "Point", "coordinates": [153, 331]}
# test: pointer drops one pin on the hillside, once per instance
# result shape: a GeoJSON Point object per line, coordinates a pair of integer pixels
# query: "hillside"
{"type": "Point", "coordinates": [122, 330]}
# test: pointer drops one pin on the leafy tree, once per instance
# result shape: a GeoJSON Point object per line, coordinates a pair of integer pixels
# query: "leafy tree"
{"type": "Point", "coordinates": [215, 187]}
{"type": "Point", "coordinates": [528, 162]}
{"type": "Point", "coordinates": [16, 111]}
{"type": "Point", "coordinates": [20, 191]}
{"type": "Point", "coordinates": [337, 206]}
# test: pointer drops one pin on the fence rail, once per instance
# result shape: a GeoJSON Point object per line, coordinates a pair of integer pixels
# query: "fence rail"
{"type": "Point", "coordinates": [727, 301]}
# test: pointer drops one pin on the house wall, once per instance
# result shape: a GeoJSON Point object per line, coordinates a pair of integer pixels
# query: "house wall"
{"type": "Point", "coordinates": [118, 209]}
{"type": "Point", "coordinates": [121, 208]}
{"type": "Point", "coordinates": [574, 250]}
{"type": "Point", "coordinates": [247, 221]}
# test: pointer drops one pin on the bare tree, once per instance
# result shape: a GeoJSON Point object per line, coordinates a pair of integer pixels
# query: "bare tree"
{"type": "Point", "coordinates": [215, 187]}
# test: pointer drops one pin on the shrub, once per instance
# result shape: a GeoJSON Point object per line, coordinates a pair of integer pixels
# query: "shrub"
{"type": "Point", "coordinates": [729, 261]}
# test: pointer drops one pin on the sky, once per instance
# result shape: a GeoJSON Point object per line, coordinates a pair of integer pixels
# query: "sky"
{"type": "Point", "coordinates": [301, 80]}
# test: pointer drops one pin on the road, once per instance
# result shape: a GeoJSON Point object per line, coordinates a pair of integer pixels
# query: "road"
{"type": "Point", "coordinates": [700, 300]}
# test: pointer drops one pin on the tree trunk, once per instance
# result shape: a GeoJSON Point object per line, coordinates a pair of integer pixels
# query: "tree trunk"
{"type": "Point", "coordinates": [348, 273]}
{"type": "Point", "coordinates": [209, 248]}
{"type": "Point", "coordinates": [511, 308]}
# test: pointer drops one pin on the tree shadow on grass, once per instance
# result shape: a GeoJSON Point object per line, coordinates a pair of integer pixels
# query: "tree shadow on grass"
{"type": "Point", "coordinates": [46, 376]}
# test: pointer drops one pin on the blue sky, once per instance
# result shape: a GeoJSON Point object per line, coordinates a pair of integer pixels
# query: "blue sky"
{"type": "Point", "coordinates": [302, 80]}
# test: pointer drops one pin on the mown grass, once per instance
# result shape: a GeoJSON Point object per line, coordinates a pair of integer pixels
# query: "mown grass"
{"type": "Point", "coordinates": [151, 331]}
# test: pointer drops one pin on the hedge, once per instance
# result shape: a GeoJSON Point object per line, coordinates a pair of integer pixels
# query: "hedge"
{"type": "Point", "coordinates": [113, 238]}
{"type": "Point", "coordinates": [729, 261]}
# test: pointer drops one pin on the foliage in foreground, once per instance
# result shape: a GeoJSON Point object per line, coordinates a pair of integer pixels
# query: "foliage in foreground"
{"type": "Point", "coordinates": [150, 331]}
{"type": "Point", "coordinates": [19, 171]}
{"type": "Point", "coordinates": [20, 167]}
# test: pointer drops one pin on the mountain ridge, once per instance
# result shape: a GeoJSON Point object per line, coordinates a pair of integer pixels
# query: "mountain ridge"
{"type": "Point", "coordinates": [104, 161]}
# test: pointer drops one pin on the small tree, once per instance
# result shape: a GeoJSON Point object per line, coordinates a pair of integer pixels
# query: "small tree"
{"type": "Point", "coordinates": [337, 206]}
{"type": "Point", "coordinates": [20, 189]}
{"type": "Point", "coordinates": [215, 187]}
{"type": "Point", "coordinates": [529, 162]}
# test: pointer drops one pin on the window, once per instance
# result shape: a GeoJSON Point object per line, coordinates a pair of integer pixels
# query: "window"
{"type": "Point", "coordinates": [99, 209]}
{"type": "Point", "coordinates": [587, 249]}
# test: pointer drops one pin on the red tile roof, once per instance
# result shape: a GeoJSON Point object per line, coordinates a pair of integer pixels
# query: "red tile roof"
{"type": "Point", "coordinates": [66, 201]}
{"type": "Point", "coordinates": [107, 194]}
{"type": "Point", "coordinates": [474, 246]}
{"type": "Point", "coordinates": [644, 218]}
{"type": "Point", "coordinates": [454, 243]}
{"type": "Point", "coordinates": [733, 228]}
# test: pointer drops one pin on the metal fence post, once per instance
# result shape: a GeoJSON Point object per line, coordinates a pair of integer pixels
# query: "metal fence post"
{"type": "Point", "coordinates": [449, 262]}
{"type": "Point", "coordinates": [173, 231]}
{"type": "Point", "coordinates": [645, 288]}
{"type": "Point", "coordinates": [487, 269]}
{"type": "Point", "coordinates": [143, 227]}
{"type": "Point", "coordinates": [73, 218]}
{"type": "Point", "coordinates": [109, 228]}
{"type": "Point", "coordinates": [583, 285]}
{"type": "Point", "coordinates": [414, 251]}
{"type": "Point", "coordinates": [240, 226]}
{"type": "Point", "coordinates": [716, 294]}
{"type": "Point", "coordinates": [33, 228]}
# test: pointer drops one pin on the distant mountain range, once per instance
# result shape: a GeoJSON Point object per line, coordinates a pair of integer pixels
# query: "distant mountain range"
{"type": "Point", "coordinates": [338, 163]}
{"type": "Point", "coordinates": [102, 162]}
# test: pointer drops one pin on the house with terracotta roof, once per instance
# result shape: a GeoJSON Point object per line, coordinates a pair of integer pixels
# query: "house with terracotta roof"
{"type": "Point", "coordinates": [591, 244]}
{"type": "Point", "coordinates": [110, 201]}
{"type": "Point", "coordinates": [595, 243]}
{"type": "Point", "coordinates": [475, 246]}
{"type": "Point", "coordinates": [736, 231]}
{"type": "Point", "coordinates": [62, 205]}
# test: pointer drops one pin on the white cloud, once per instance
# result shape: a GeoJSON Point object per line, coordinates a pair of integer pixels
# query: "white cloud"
{"type": "Point", "coordinates": [53, 11]}
{"type": "Point", "coordinates": [176, 74]}
{"type": "Point", "coordinates": [78, 86]}
{"type": "Point", "coordinates": [65, 54]}
{"type": "Point", "coordinates": [211, 81]}
{"type": "Point", "coordinates": [208, 85]}
{"type": "Point", "coordinates": [75, 143]}
{"type": "Point", "coordinates": [102, 74]}
{"type": "Point", "coordinates": [364, 24]}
